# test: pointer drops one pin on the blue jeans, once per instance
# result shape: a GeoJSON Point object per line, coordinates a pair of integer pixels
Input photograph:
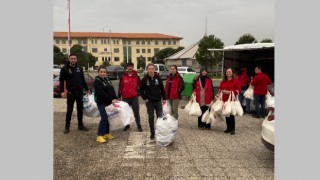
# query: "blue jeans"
{"type": "Point", "coordinates": [260, 100]}
{"type": "Point", "coordinates": [104, 124]}
{"type": "Point", "coordinates": [151, 107]}
{"type": "Point", "coordinates": [241, 97]}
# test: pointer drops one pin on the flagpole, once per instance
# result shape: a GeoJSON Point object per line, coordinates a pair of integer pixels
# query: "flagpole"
{"type": "Point", "coordinates": [69, 41]}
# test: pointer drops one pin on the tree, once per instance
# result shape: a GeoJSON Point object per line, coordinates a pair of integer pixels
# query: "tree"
{"type": "Point", "coordinates": [84, 58]}
{"type": "Point", "coordinates": [205, 57]}
{"type": "Point", "coordinates": [267, 40]}
{"type": "Point", "coordinates": [164, 53]}
{"type": "Point", "coordinates": [58, 56]}
{"type": "Point", "coordinates": [246, 39]}
{"type": "Point", "coordinates": [141, 63]}
{"type": "Point", "coordinates": [106, 63]}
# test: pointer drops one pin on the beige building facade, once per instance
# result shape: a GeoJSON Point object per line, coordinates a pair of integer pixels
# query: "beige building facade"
{"type": "Point", "coordinates": [117, 47]}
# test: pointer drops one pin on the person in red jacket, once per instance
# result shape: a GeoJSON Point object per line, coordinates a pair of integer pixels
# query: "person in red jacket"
{"type": "Point", "coordinates": [128, 92]}
{"type": "Point", "coordinates": [228, 84]}
{"type": "Point", "coordinates": [260, 83]}
{"type": "Point", "coordinates": [203, 89]}
{"type": "Point", "coordinates": [244, 83]}
{"type": "Point", "coordinates": [173, 89]}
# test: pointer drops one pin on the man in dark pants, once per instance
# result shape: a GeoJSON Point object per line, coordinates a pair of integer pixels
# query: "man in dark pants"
{"type": "Point", "coordinates": [128, 92]}
{"type": "Point", "coordinates": [72, 76]}
{"type": "Point", "coordinates": [152, 91]}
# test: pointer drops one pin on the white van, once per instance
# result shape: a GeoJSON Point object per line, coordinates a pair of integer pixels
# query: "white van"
{"type": "Point", "coordinates": [161, 69]}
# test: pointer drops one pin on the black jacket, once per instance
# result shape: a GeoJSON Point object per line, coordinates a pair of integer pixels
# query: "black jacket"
{"type": "Point", "coordinates": [104, 91]}
{"type": "Point", "coordinates": [152, 88]}
{"type": "Point", "coordinates": [74, 78]}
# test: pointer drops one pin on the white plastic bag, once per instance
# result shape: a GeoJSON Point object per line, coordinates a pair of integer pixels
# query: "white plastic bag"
{"type": "Point", "coordinates": [195, 109]}
{"type": "Point", "coordinates": [90, 108]}
{"type": "Point", "coordinates": [269, 100]}
{"type": "Point", "coordinates": [249, 93]}
{"type": "Point", "coordinates": [218, 118]}
{"type": "Point", "coordinates": [238, 106]}
{"type": "Point", "coordinates": [205, 116]}
{"type": "Point", "coordinates": [226, 109]}
{"type": "Point", "coordinates": [119, 114]}
{"type": "Point", "coordinates": [188, 106]}
{"type": "Point", "coordinates": [166, 130]}
{"type": "Point", "coordinates": [218, 104]}
{"type": "Point", "coordinates": [233, 104]}
{"type": "Point", "coordinates": [166, 108]}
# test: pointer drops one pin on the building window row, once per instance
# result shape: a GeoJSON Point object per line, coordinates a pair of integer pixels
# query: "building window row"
{"type": "Point", "coordinates": [143, 50]}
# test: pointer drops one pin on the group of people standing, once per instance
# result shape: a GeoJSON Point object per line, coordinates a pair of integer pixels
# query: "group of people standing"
{"type": "Point", "coordinates": [151, 90]}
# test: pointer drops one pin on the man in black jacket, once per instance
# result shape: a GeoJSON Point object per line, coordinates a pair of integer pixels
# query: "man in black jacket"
{"type": "Point", "coordinates": [72, 76]}
{"type": "Point", "coordinates": [152, 91]}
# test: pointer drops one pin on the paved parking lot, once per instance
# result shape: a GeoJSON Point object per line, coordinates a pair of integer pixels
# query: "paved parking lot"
{"type": "Point", "coordinates": [195, 154]}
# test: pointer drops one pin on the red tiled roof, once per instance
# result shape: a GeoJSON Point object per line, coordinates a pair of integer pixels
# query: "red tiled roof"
{"type": "Point", "coordinates": [115, 35]}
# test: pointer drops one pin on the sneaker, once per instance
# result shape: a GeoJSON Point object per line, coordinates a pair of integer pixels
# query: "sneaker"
{"type": "Point", "coordinates": [255, 116]}
{"type": "Point", "coordinates": [227, 131]}
{"type": "Point", "coordinates": [232, 132]}
{"type": "Point", "coordinates": [83, 128]}
{"type": "Point", "coordinates": [126, 128]}
{"type": "Point", "coordinates": [66, 131]}
{"type": "Point", "coordinates": [140, 129]}
{"type": "Point", "coordinates": [100, 139]}
{"type": "Point", "coordinates": [108, 136]}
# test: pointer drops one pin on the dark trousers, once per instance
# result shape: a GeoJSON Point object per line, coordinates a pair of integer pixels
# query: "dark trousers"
{"type": "Point", "coordinates": [260, 100]}
{"type": "Point", "coordinates": [71, 98]}
{"type": "Point", "coordinates": [230, 123]}
{"type": "Point", "coordinates": [104, 124]}
{"type": "Point", "coordinates": [151, 107]}
{"type": "Point", "coordinates": [134, 103]}
{"type": "Point", "coordinates": [203, 124]}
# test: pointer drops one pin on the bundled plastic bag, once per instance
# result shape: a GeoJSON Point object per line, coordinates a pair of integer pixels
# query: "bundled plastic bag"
{"type": "Point", "coordinates": [269, 100]}
{"type": "Point", "coordinates": [90, 108]}
{"type": "Point", "coordinates": [166, 108]}
{"type": "Point", "coordinates": [218, 118]}
{"type": "Point", "coordinates": [226, 109]}
{"type": "Point", "coordinates": [119, 114]}
{"type": "Point", "coordinates": [195, 109]}
{"type": "Point", "coordinates": [233, 104]}
{"type": "Point", "coordinates": [205, 116]}
{"type": "Point", "coordinates": [166, 130]}
{"type": "Point", "coordinates": [238, 106]}
{"type": "Point", "coordinates": [188, 106]}
{"type": "Point", "coordinates": [218, 104]}
{"type": "Point", "coordinates": [249, 93]}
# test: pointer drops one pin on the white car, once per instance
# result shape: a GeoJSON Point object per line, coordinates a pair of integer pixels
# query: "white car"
{"type": "Point", "coordinates": [56, 70]}
{"type": "Point", "coordinates": [186, 70]}
{"type": "Point", "coordinates": [267, 134]}
{"type": "Point", "coordinates": [161, 69]}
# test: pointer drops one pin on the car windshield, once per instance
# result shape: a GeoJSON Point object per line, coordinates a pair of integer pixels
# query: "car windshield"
{"type": "Point", "coordinates": [181, 69]}
{"type": "Point", "coordinates": [111, 68]}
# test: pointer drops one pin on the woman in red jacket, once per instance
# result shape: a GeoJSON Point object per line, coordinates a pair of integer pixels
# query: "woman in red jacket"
{"type": "Point", "coordinates": [228, 84]}
{"type": "Point", "coordinates": [203, 89]}
{"type": "Point", "coordinates": [173, 89]}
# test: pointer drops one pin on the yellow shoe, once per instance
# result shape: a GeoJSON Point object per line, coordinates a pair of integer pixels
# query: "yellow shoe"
{"type": "Point", "coordinates": [100, 139]}
{"type": "Point", "coordinates": [108, 136]}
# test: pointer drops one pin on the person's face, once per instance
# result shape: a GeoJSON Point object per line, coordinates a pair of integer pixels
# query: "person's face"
{"type": "Point", "coordinates": [173, 70]}
{"type": "Point", "coordinates": [256, 70]}
{"type": "Point", "coordinates": [130, 68]}
{"type": "Point", "coordinates": [73, 60]}
{"type": "Point", "coordinates": [102, 73]}
{"type": "Point", "coordinates": [229, 73]}
{"type": "Point", "coordinates": [204, 73]}
{"type": "Point", "coordinates": [150, 70]}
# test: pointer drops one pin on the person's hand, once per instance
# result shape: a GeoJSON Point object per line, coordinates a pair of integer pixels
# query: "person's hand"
{"type": "Point", "coordinates": [88, 92]}
{"type": "Point", "coordinates": [63, 95]}
{"type": "Point", "coordinates": [120, 99]}
{"type": "Point", "coordinates": [225, 92]}
{"type": "Point", "coordinates": [164, 102]}
{"type": "Point", "coordinates": [114, 101]}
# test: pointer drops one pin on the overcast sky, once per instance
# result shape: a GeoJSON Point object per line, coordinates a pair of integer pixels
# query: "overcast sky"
{"type": "Point", "coordinates": [226, 19]}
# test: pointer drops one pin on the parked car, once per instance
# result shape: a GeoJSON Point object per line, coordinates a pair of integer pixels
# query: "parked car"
{"type": "Point", "coordinates": [56, 85]}
{"type": "Point", "coordinates": [115, 72]}
{"type": "Point", "coordinates": [56, 70]}
{"type": "Point", "coordinates": [267, 134]}
{"type": "Point", "coordinates": [161, 69]}
{"type": "Point", "coordinates": [186, 70]}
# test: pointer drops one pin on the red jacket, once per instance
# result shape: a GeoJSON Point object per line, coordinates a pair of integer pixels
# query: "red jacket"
{"type": "Point", "coordinates": [260, 83]}
{"type": "Point", "coordinates": [244, 79]}
{"type": "Point", "coordinates": [174, 90]}
{"type": "Point", "coordinates": [229, 85]}
{"type": "Point", "coordinates": [208, 94]}
{"type": "Point", "coordinates": [129, 85]}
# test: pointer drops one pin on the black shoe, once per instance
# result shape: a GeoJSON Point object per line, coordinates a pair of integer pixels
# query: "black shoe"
{"type": "Point", "coordinates": [226, 131]}
{"type": "Point", "coordinates": [139, 129]}
{"type": "Point", "coordinates": [126, 128]}
{"type": "Point", "coordinates": [83, 128]}
{"type": "Point", "coordinates": [152, 137]}
{"type": "Point", "coordinates": [232, 132]}
{"type": "Point", "coordinates": [66, 131]}
{"type": "Point", "coordinates": [255, 116]}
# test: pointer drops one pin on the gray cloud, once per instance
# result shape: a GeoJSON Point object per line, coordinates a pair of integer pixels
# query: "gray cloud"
{"type": "Point", "coordinates": [226, 19]}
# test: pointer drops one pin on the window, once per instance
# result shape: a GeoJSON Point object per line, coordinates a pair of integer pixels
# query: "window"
{"type": "Point", "coordinates": [164, 42]}
{"type": "Point", "coordinates": [138, 50]}
{"type": "Point", "coordinates": [116, 59]}
{"type": "Point", "coordinates": [184, 62]}
{"type": "Point", "coordinates": [94, 50]}
{"type": "Point", "coordinates": [190, 70]}
{"type": "Point", "coordinates": [116, 50]}
{"type": "Point", "coordinates": [161, 68]}
{"type": "Point", "coordinates": [143, 42]}
{"type": "Point", "coordinates": [85, 48]}
{"type": "Point", "coordinates": [174, 42]}
{"type": "Point", "coordinates": [149, 58]}
{"type": "Point", "coordinates": [57, 41]}
{"type": "Point", "coordinates": [64, 41]}
{"type": "Point", "coordinates": [143, 50]}
{"type": "Point", "coordinates": [156, 50]}
{"type": "Point", "coordinates": [85, 41]}
{"type": "Point", "coordinates": [169, 42]}
{"type": "Point", "coordinates": [102, 59]}
{"type": "Point", "coordinates": [148, 42]}
{"type": "Point", "coordinates": [64, 50]}
{"type": "Point", "coordinates": [129, 42]}
{"type": "Point", "coordinates": [124, 42]}
{"type": "Point", "coordinates": [79, 41]}
{"type": "Point", "coordinates": [149, 50]}
{"type": "Point", "coordinates": [194, 62]}
{"type": "Point", "coordinates": [137, 42]}
{"type": "Point", "coordinates": [156, 42]}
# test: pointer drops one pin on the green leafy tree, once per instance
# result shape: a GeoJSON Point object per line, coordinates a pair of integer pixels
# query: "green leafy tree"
{"type": "Point", "coordinates": [84, 58]}
{"type": "Point", "coordinates": [141, 63]}
{"type": "Point", "coordinates": [106, 63]}
{"type": "Point", "coordinates": [246, 39]}
{"type": "Point", "coordinates": [267, 40]}
{"type": "Point", "coordinates": [164, 53]}
{"type": "Point", "coordinates": [124, 64]}
{"type": "Point", "coordinates": [205, 57]}
{"type": "Point", "coordinates": [58, 56]}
